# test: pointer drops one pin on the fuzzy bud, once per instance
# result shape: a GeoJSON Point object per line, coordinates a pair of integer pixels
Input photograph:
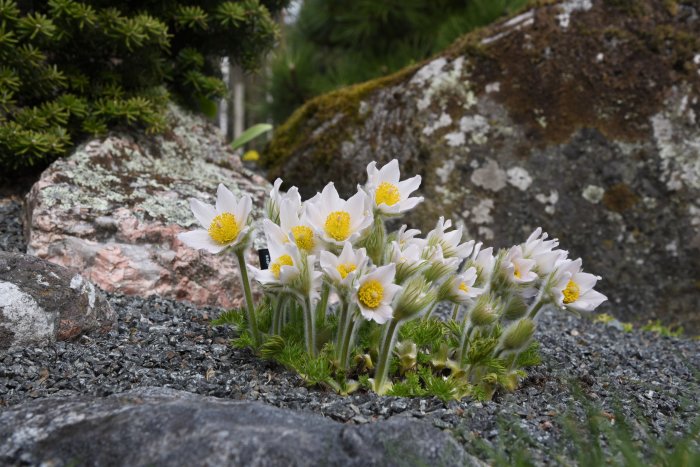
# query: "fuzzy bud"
{"type": "Point", "coordinates": [415, 298]}
{"type": "Point", "coordinates": [518, 335]}
{"type": "Point", "coordinates": [483, 313]}
{"type": "Point", "coordinates": [515, 308]}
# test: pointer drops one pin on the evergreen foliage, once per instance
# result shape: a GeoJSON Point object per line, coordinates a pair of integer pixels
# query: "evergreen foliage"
{"type": "Point", "coordinates": [335, 43]}
{"type": "Point", "coordinates": [70, 68]}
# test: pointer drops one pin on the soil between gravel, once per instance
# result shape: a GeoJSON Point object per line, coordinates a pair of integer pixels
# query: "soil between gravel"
{"type": "Point", "coordinates": [171, 344]}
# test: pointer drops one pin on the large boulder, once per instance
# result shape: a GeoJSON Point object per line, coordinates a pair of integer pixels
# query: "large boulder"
{"type": "Point", "coordinates": [42, 302]}
{"type": "Point", "coordinates": [158, 426]}
{"type": "Point", "coordinates": [113, 209]}
{"type": "Point", "coordinates": [582, 117]}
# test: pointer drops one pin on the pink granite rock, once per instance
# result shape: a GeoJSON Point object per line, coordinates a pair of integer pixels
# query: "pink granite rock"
{"type": "Point", "coordinates": [113, 209]}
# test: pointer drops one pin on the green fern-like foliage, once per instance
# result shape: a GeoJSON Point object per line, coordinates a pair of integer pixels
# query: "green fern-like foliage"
{"type": "Point", "coordinates": [69, 69]}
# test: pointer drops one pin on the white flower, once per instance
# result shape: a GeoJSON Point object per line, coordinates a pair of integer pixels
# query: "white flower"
{"type": "Point", "coordinates": [389, 195]}
{"type": "Point", "coordinates": [543, 251]}
{"type": "Point", "coordinates": [407, 259]}
{"type": "Point", "coordinates": [484, 260]}
{"type": "Point", "coordinates": [438, 267]}
{"type": "Point", "coordinates": [285, 260]}
{"type": "Point", "coordinates": [336, 220]}
{"type": "Point", "coordinates": [343, 269]}
{"type": "Point", "coordinates": [375, 292]}
{"type": "Point", "coordinates": [572, 288]}
{"type": "Point", "coordinates": [297, 227]}
{"type": "Point", "coordinates": [273, 205]}
{"type": "Point", "coordinates": [225, 225]}
{"type": "Point", "coordinates": [405, 236]}
{"type": "Point", "coordinates": [449, 241]}
{"type": "Point", "coordinates": [462, 287]}
{"type": "Point", "coordinates": [519, 269]}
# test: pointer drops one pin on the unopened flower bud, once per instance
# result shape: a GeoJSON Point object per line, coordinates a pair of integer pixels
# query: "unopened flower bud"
{"type": "Point", "coordinates": [483, 313]}
{"type": "Point", "coordinates": [515, 308]}
{"type": "Point", "coordinates": [416, 297]}
{"type": "Point", "coordinates": [518, 335]}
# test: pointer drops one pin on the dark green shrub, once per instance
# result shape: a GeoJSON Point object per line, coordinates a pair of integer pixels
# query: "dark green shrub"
{"type": "Point", "coordinates": [70, 68]}
{"type": "Point", "coordinates": [335, 43]}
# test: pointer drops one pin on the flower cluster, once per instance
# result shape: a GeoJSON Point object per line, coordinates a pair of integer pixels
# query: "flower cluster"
{"type": "Point", "coordinates": [363, 300]}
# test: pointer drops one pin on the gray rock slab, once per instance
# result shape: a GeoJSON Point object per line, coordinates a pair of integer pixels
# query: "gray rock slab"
{"type": "Point", "coordinates": [42, 302]}
{"type": "Point", "coordinates": [164, 427]}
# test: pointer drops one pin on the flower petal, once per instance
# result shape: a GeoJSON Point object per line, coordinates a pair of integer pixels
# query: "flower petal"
{"type": "Point", "coordinates": [390, 173]}
{"type": "Point", "coordinates": [225, 201]}
{"type": "Point", "coordinates": [204, 213]}
{"type": "Point", "coordinates": [245, 205]}
{"type": "Point", "coordinates": [200, 240]}
{"type": "Point", "coordinates": [408, 186]}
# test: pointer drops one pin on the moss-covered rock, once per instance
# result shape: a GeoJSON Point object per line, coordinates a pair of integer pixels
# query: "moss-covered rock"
{"type": "Point", "coordinates": [581, 116]}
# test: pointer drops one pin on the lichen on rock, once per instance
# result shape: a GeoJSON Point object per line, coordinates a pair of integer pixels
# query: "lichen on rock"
{"type": "Point", "coordinates": [112, 210]}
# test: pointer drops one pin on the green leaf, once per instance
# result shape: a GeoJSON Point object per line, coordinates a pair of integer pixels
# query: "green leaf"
{"type": "Point", "coordinates": [250, 134]}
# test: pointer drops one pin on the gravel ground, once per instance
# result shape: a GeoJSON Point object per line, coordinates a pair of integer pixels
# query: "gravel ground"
{"type": "Point", "coordinates": [165, 343]}
{"type": "Point", "coordinates": [11, 235]}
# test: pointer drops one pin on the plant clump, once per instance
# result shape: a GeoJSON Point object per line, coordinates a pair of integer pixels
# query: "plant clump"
{"type": "Point", "coordinates": [349, 304]}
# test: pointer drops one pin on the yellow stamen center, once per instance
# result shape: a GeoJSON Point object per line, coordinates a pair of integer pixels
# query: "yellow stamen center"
{"type": "Point", "coordinates": [387, 193]}
{"type": "Point", "coordinates": [371, 293]}
{"type": "Point", "coordinates": [345, 269]}
{"type": "Point", "coordinates": [338, 225]}
{"type": "Point", "coordinates": [224, 228]}
{"type": "Point", "coordinates": [284, 260]}
{"type": "Point", "coordinates": [303, 237]}
{"type": "Point", "coordinates": [516, 272]}
{"type": "Point", "coordinates": [464, 287]}
{"type": "Point", "coordinates": [572, 292]}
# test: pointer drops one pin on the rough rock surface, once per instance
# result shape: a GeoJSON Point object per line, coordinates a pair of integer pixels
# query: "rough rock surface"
{"type": "Point", "coordinates": [582, 117]}
{"type": "Point", "coordinates": [42, 302]}
{"type": "Point", "coordinates": [186, 429]}
{"type": "Point", "coordinates": [112, 210]}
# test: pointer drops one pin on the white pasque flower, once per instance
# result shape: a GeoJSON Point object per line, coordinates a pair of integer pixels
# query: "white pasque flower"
{"type": "Point", "coordinates": [336, 220]}
{"type": "Point", "coordinates": [297, 227]}
{"type": "Point", "coordinates": [389, 195]}
{"type": "Point", "coordinates": [543, 251]}
{"type": "Point", "coordinates": [519, 268]}
{"type": "Point", "coordinates": [344, 268]}
{"type": "Point", "coordinates": [572, 288]}
{"type": "Point", "coordinates": [225, 225]}
{"type": "Point", "coordinates": [273, 205]}
{"type": "Point", "coordinates": [285, 260]}
{"type": "Point", "coordinates": [450, 242]}
{"type": "Point", "coordinates": [462, 287]}
{"type": "Point", "coordinates": [375, 292]}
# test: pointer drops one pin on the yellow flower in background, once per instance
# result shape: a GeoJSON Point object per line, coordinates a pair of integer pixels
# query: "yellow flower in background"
{"type": "Point", "coordinates": [251, 156]}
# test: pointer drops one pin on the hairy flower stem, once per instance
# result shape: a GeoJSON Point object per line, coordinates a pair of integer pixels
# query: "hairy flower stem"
{"type": "Point", "coordinates": [391, 332]}
{"type": "Point", "coordinates": [538, 303]}
{"type": "Point", "coordinates": [351, 327]}
{"type": "Point", "coordinates": [340, 331]}
{"type": "Point", "coordinates": [455, 312]}
{"type": "Point", "coordinates": [250, 309]}
{"type": "Point", "coordinates": [322, 305]}
{"type": "Point", "coordinates": [309, 326]}
{"type": "Point", "coordinates": [278, 314]}
{"type": "Point", "coordinates": [464, 343]}
{"type": "Point", "coordinates": [430, 310]}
